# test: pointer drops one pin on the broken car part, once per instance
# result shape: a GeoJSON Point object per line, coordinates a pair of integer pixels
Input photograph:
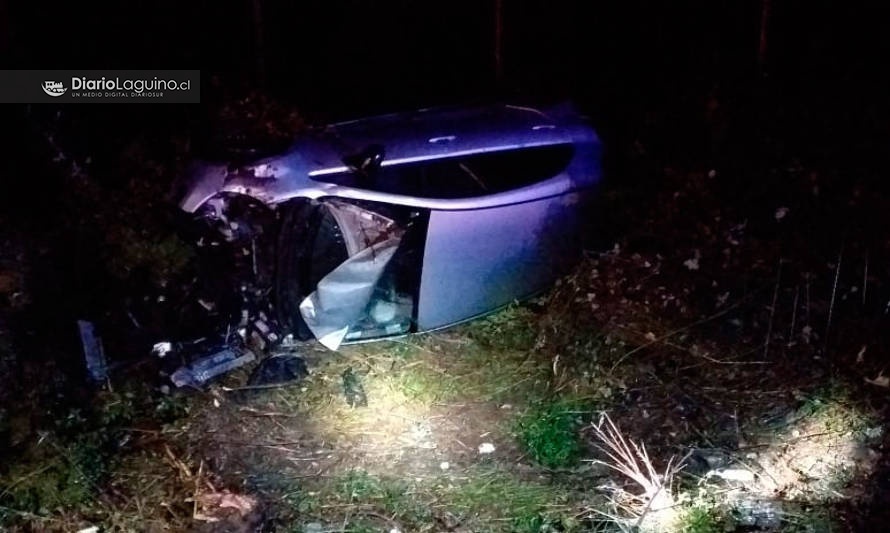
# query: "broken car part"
{"type": "Point", "coordinates": [208, 367]}
{"type": "Point", "coordinates": [93, 351]}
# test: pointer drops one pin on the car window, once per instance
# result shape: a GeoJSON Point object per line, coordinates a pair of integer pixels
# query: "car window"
{"type": "Point", "coordinates": [465, 176]}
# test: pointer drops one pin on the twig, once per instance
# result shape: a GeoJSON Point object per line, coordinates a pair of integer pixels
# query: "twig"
{"type": "Point", "coordinates": [255, 412]}
{"type": "Point", "coordinates": [28, 515]}
{"type": "Point", "coordinates": [807, 315]}
{"type": "Point", "coordinates": [648, 507]}
{"type": "Point", "coordinates": [197, 490]}
{"type": "Point", "coordinates": [837, 275]}
{"type": "Point", "coordinates": [794, 314]}
{"type": "Point", "coordinates": [674, 332]}
{"type": "Point", "coordinates": [412, 345]}
{"type": "Point", "coordinates": [738, 430]}
{"type": "Point", "coordinates": [865, 279]}
{"type": "Point", "coordinates": [711, 359]}
{"type": "Point", "coordinates": [261, 387]}
{"type": "Point", "coordinates": [277, 445]}
{"type": "Point", "coordinates": [140, 430]}
{"type": "Point", "coordinates": [772, 310]}
{"type": "Point", "coordinates": [25, 478]}
{"type": "Point", "coordinates": [744, 391]}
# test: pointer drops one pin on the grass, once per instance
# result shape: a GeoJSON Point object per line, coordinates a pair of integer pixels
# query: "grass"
{"type": "Point", "coordinates": [484, 499]}
{"type": "Point", "coordinates": [416, 379]}
{"type": "Point", "coordinates": [406, 381]}
{"type": "Point", "coordinates": [494, 495]}
{"type": "Point", "coordinates": [361, 499]}
{"type": "Point", "coordinates": [810, 520]}
{"type": "Point", "coordinates": [512, 328]}
{"type": "Point", "coordinates": [381, 479]}
{"type": "Point", "coordinates": [700, 519]}
{"type": "Point", "coordinates": [832, 405]}
{"type": "Point", "coordinates": [61, 477]}
{"type": "Point", "coordinates": [549, 432]}
{"type": "Point", "coordinates": [67, 465]}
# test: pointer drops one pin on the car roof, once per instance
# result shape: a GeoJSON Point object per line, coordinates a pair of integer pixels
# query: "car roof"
{"type": "Point", "coordinates": [443, 132]}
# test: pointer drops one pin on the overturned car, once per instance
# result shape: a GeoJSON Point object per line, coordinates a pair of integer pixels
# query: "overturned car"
{"type": "Point", "coordinates": [396, 224]}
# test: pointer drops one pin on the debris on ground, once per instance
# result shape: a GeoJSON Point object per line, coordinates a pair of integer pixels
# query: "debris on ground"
{"type": "Point", "coordinates": [93, 351]}
{"type": "Point", "coordinates": [353, 389]}
{"type": "Point", "coordinates": [202, 370]}
{"type": "Point", "coordinates": [217, 506]}
{"type": "Point", "coordinates": [279, 369]}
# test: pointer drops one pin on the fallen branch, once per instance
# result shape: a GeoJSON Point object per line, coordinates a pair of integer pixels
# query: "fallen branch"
{"type": "Point", "coordinates": [632, 461]}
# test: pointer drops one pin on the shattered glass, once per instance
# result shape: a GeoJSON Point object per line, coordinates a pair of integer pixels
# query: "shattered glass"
{"type": "Point", "coordinates": [348, 293]}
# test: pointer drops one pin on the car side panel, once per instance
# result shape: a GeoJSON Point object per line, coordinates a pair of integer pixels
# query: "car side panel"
{"type": "Point", "coordinates": [478, 260]}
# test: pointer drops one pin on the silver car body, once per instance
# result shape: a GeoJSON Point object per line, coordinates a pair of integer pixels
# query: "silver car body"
{"type": "Point", "coordinates": [483, 249]}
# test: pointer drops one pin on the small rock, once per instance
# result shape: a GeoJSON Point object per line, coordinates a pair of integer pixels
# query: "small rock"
{"type": "Point", "coordinates": [444, 465]}
{"type": "Point", "coordinates": [874, 432]}
{"type": "Point", "coordinates": [486, 448]}
{"type": "Point", "coordinates": [161, 349]}
{"type": "Point", "coordinates": [313, 527]}
{"type": "Point", "coordinates": [735, 474]}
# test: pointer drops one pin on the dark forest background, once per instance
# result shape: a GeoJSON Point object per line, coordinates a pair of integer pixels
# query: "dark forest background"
{"type": "Point", "coordinates": [694, 65]}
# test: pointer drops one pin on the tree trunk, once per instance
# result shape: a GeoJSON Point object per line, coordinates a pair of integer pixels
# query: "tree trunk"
{"type": "Point", "coordinates": [259, 44]}
{"type": "Point", "coordinates": [4, 30]}
{"type": "Point", "coordinates": [498, 40]}
{"type": "Point", "coordinates": [765, 11]}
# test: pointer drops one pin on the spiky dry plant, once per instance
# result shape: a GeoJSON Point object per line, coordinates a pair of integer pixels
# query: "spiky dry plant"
{"type": "Point", "coordinates": [632, 461]}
